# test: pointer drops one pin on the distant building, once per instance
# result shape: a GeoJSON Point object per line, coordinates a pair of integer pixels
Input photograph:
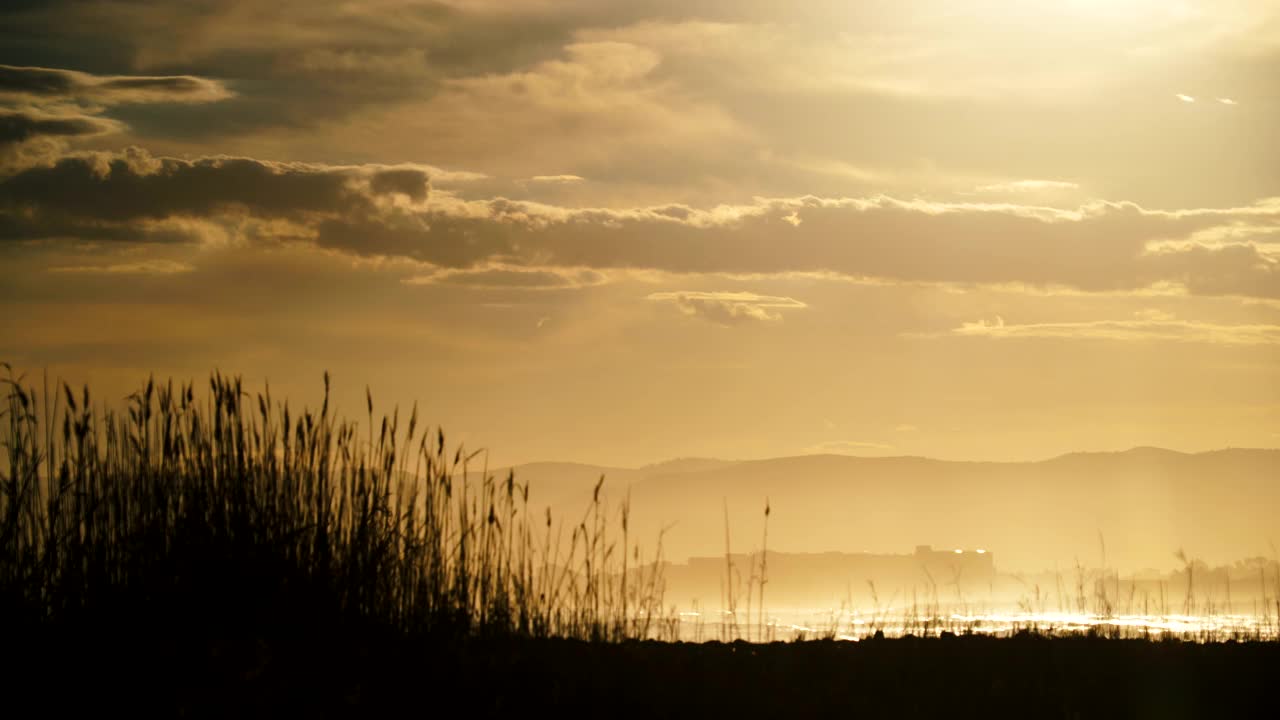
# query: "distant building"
{"type": "Point", "coordinates": [948, 565]}
{"type": "Point", "coordinates": [830, 578]}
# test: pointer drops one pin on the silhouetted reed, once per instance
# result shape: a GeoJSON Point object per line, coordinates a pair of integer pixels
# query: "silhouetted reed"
{"type": "Point", "coordinates": [232, 503]}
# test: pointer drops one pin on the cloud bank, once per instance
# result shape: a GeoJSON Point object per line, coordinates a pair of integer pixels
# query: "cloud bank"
{"type": "Point", "coordinates": [42, 110]}
{"type": "Point", "coordinates": [380, 211]}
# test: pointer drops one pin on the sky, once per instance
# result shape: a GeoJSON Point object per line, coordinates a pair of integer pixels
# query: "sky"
{"type": "Point", "coordinates": [620, 232]}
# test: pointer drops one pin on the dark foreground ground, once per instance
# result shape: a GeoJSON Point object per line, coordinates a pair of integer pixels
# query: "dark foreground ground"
{"type": "Point", "coordinates": [359, 673]}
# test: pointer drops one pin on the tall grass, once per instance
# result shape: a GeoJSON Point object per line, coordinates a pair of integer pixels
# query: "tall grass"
{"type": "Point", "coordinates": [230, 502]}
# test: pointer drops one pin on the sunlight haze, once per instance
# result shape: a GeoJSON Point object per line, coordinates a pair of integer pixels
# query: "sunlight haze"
{"type": "Point", "coordinates": [624, 232]}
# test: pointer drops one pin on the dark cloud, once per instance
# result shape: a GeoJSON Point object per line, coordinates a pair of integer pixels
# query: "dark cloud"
{"type": "Point", "coordinates": [410, 183]}
{"type": "Point", "coordinates": [35, 81]}
{"type": "Point", "coordinates": [168, 87]}
{"type": "Point", "coordinates": [1101, 247]}
{"type": "Point", "coordinates": [50, 83]}
{"type": "Point", "coordinates": [1098, 247]}
{"type": "Point", "coordinates": [50, 107]}
{"type": "Point", "coordinates": [134, 185]}
{"type": "Point", "coordinates": [289, 61]}
{"type": "Point", "coordinates": [17, 126]}
{"type": "Point", "coordinates": [32, 138]}
{"type": "Point", "coordinates": [20, 224]}
{"type": "Point", "coordinates": [439, 240]}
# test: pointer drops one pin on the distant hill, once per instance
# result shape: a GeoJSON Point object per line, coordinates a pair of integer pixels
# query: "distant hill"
{"type": "Point", "coordinates": [680, 465]}
{"type": "Point", "coordinates": [1138, 506]}
{"type": "Point", "coordinates": [565, 484]}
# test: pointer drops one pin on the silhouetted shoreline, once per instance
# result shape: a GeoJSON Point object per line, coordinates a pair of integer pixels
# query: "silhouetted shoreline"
{"type": "Point", "coordinates": [360, 672]}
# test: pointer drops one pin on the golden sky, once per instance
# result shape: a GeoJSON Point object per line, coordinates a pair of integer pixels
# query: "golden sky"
{"type": "Point", "coordinates": [618, 232]}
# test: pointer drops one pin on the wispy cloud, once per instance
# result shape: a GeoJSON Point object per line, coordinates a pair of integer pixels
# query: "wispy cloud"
{"type": "Point", "coordinates": [512, 277]}
{"type": "Point", "coordinates": [849, 447]}
{"type": "Point", "coordinates": [145, 267]}
{"type": "Point", "coordinates": [556, 179]}
{"type": "Point", "coordinates": [729, 308]}
{"type": "Point", "coordinates": [1149, 325]}
{"type": "Point", "coordinates": [1185, 98]}
{"type": "Point", "coordinates": [19, 126]}
{"type": "Point", "coordinates": [1023, 186]}
{"type": "Point", "coordinates": [1227, 101]}
{"type": "Point", "coordinates": [54, 83]}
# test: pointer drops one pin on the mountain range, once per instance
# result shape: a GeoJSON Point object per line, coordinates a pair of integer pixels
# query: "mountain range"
{"type": "Point", "coordinates": [1133, 509]}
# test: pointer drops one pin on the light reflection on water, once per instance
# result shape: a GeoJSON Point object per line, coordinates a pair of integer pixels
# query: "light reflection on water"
{"type": "Point", "coordinates": [792, 624]}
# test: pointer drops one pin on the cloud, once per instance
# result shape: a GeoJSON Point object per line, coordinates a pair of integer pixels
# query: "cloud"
{"type": "Point", "coordinates": [294, 65]}
{"type": "Point", "coordinates": [32, 137]}
{"type": "Point", "coordinates": [849, 447]}
{"type": "Point", "coordinates": [1185, 98]}
{"type": "Point", "coordinates": [1242, 269]}
{"type": "Point", "coordinates": [556, 179]}
{"type": "Point", "coordinates": [105, 188]}
{"type": "Point", "coordinates": [655, 93]}
{"type": "Point", "coordinates": [1023, 186]}
{"type": "Point", "coordinates": [42, 84]}
{"type": "Point", "coordinates": [745, 247]}
{"type": "Point", "coordinates": [50, 108]}
{"type": "Point", "coordinates": [1227, 101]}
{"type": "Point", "coordinates": [608, 96]}
{"type": "Point", "coordinates": [411, 183]}
{"type": "Point", "coordinates": [512, 277]}
{"type": "Point", "coordinates": [1098, 247]}
{"type": "Point", "coordinates": [21, 126]}
{"type": "Point", "coordinates": [1155, 326]}
{"type": "Point", "coordinates": [391, 211]}
{"type": "Point", "coordinates": [729, 308]}
{"type": "Point", "coordinates": [1161, 288]}
{"type": "Point", "coordinates": [145, 267]}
